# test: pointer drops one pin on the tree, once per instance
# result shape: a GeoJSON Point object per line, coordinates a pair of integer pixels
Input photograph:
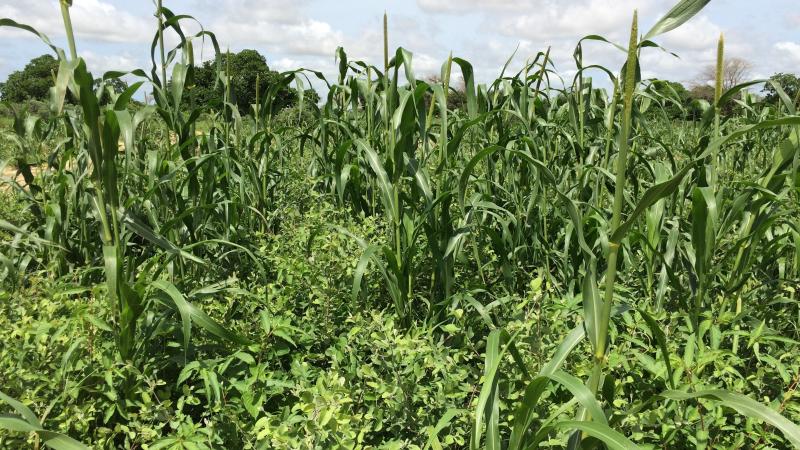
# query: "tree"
{"type": "Point", "coordinates": [116, 85]}
{"type": "Point", "coordinates": [735, 71]}
{"type": "Point", "coordinates": [680, 97]}
{"type": "Point", "coordinates": [457, 96]}
{"type": "Point", "coordinates": [702, 92]}
{"type": "Point", "coordinates": [790, 84]}
{"type": "Point", "coordinates": [247, 68]}
{"type": "Point", "coordinates": [31, 83]}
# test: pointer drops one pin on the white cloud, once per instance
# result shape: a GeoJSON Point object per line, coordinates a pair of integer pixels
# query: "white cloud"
{"type": "Point", "coordinates": [305, 33]}
{"type": "Point", "coordinates": [96, 20]}
{"type": "Point", "coordinates": [698, 34]}
{"type": "Point", "coordinates": [285, 64]}
{"type": "Point", "coordinates": [309, 37]}
{"type": "Point", "coordinates": [425, 64]}
{"type": "Point", "coordinates": [553, 20]}
{"type": "Point", "coordinates": [790, 50]}
{"type": "Point", "coordinates": [465, 6]}
{"type": "Point", "coordinates": [100, 63]}
{"type": "Point", "coordinates": [280, 25]}
{"type": "Point", "coordinates": [415, 34]}
{"type": "Point", "coordinates": [539, 24]}
{"type": "Point", "coordinates": [250, 11]}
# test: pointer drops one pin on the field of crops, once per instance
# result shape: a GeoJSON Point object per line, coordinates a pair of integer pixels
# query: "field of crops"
{"type": "Point", "coordinates": [555, 262]}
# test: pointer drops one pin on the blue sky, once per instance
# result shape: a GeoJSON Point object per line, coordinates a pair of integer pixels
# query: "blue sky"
{"type": "Point", "coordinates": [115, 34]}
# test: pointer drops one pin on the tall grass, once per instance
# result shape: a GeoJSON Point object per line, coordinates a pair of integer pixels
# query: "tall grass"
{"type": "Point", "coordinates": [569, 196]}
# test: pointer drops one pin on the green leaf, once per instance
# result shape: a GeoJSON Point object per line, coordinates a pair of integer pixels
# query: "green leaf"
{"type": "Point", "coordinates": [10, 227]}
{"type": "Point", "coordinates": [582, 394]}
{"type": "Point", "coordinates": [650, 197]}
{"type": "Point", "coordinates": [469, 167]}
{"type": "Point", "coordinates": [592, 307]}
{"type": "Point", "coordinates": [21, 409]}
{"type": "Point", "coordinates": [16, 423]}
{"type": "Point", "coordinates": [743, 405]}
{"type": "Point", "coordinates": [569, 343]}
{"type": "Point", "coordinates": [613, 439]}
{"type": "Point", "coordinates": [10, 23]}
{"type": "Point", "coordinates": [27, 422]}
{"type": "Point", "coordinates": [487, 406]}
{"type": "Point", "coordinates": [703, 229]}
{"type": "Point", "coordinates": [191, 314]}
{"type": "Point", "coordinates": [58, 441]}
{"type": "Point", "coordinates": [177, 82]}
{"type": "Point", "coordinates": [140, 228]}
{"type": "Point", "coordinates": [125, 97]}
{"type": "Point", "coordinates": [385, 186]}
{"type": "Point", "coordinates": [677, 16]}
{"type": "Point", "coordinates": [444, 421]}
{"type": "Point", "coordinates": [574, 214]}
{"type": "Point", "coordinates": [469, 86]}
{"type": "Point", "coordinates": [730, 93]}
{"type": "Point", "coordinates": [658, 333]}
{"type": "Point", "coordinates": [772, 123]}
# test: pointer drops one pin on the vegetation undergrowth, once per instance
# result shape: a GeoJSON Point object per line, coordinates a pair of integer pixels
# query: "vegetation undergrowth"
{"type": "Point", "coordinates": [544, 263]}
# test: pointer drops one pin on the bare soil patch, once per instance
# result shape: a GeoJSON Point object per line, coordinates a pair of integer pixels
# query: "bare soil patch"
{"type": "Point", "coordinates": [11, 173]}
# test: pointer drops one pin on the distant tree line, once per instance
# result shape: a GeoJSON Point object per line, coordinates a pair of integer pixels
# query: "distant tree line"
{"type": "Point", "coordinates": [735, 71]}
{"type": "Point", "coordinates": [249, 73]}
{"type": "Point", "coordinates": [32, 82]}
{"type": "Point", "coordinates": [247, 68]}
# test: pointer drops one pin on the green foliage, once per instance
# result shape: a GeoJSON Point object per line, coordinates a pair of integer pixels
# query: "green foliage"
{"type": "Point", "coordinates": [111, 87]}
{"type": "Point", "coordinates": [249, 74]}
{"type": "Point", "coordinates": [538, 266]}
{"type": "Point", "coordinates": [31, 83]}
{"type": "Point", "coordinates": [790, 84]}
{"type": "Point", "coordinates": [676, 99]}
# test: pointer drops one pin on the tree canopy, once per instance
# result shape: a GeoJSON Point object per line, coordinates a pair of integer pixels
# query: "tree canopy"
{"type": "Point", "coordinates": [734, 71]}
{"type": "Point", "coordinates": [679, 96]}
{"type": "Point", "coordinates": [790, 84]}
{"type": "Point", "coordinates": [247, 69]}
{"type": "Point", "coordinates": [32, 82]}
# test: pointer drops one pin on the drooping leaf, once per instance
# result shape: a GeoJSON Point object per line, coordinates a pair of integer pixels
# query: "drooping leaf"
{"type": "Point", "coordinates": [677, 16]}
{"type": "Point", "coordinates": [743, 405]}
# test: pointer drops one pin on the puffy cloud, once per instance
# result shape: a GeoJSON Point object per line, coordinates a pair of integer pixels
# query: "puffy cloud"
{"type": "Point", "coordinates": [96, 20]}
{"type": "Point", "coordinates": [535, 25]}
{"type": "Point", "coordinates": [281, 26]}
{"type": "Point", "coordinates": [699, 34]}
{"type": "Point", "coordinates": [285, 64]}
{"type": "Point", "coordinates": [553, 20]}
{"type": "Point", "coordinates": [251, 11]}
{"type": "Point", "coordinates": [466, 6]}
{"type": "Point", "coordinates": [309, 37]}
{"type": "Point", "coordinates": [305, 33]}
{"type": "Point", "coordinates": [100, 63]}
{"type": "Point", "coordinates": [790, 50]}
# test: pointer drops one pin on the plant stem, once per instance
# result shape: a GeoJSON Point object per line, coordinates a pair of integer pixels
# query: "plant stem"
{"type": "Point", "coordinates": [720, 73]}
{"type": "Point", "coordinates": [542, 74]}
{"type": "Point", "coordinates": [258, 85]}
{"type": "Point", "coordinates": [612, 113]}
{"type": "Point", "coordinates": [385, 43]}
{"type": "Point", "coordinates": [619, 200]}
{"type": "Point", "coordinates": [161, 43]}
{"type": "Point", "coordinates": [65, 5]}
